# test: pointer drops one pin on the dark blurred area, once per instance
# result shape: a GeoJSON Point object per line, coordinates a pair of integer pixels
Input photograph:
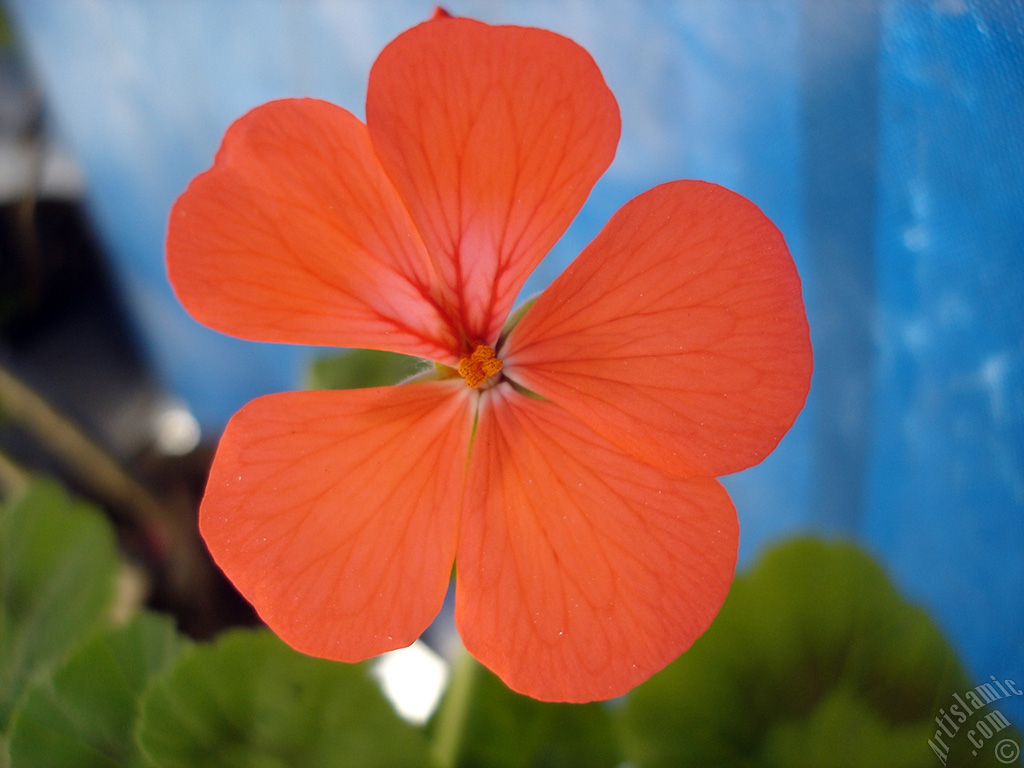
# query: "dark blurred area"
{"type": "Point", "coordinates": [77, 399]}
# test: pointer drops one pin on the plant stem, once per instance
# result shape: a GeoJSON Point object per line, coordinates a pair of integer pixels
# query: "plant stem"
{"type": "Point", "coordinates": [451, 719]}
{"type": "Point", "coordinates": [86, 460]}
{"type": "Point", "coordinates": [171, 539]}
{"type": "Point", "coordinates": [13, 478]}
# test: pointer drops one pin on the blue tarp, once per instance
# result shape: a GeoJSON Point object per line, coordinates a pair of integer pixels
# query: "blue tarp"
{"type": "Point", "coordinates": [886, 139]}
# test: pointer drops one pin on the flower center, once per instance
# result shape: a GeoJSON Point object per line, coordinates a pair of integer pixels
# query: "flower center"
{"type": "Point", "coordinates": [479, 366]}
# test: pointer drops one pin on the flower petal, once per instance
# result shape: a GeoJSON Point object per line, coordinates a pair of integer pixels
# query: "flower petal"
{"type": "Point", "coordinates": [580, 570]}
{"type": "Point", "coordinates": [296, 235]}
{"type": "Point", "coordinates": [679, 333]}
{"type": "Point", "coordinates": [336, 513]}
{"type": "Point", "coordinates": [494, 137]}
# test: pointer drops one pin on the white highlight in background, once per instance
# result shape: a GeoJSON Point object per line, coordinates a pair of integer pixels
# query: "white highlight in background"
{"type": "Point", "coordinates": [413, 679]}
{"type": "Point", "coordinates": [175, 430]}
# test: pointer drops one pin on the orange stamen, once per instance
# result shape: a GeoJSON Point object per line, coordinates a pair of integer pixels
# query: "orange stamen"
{"type": "Point", "coordinates": [479, 366]}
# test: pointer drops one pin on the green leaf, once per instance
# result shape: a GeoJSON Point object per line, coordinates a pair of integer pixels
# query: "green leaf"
{"type": "Point", "coordinates": [250, 701]}
{"type": "Point", "coordinates": [843, 730]}
{"type": "Point", "coordinates": [481, 722]}
{"type": "Point", "coordinates": [58, 566]}
{"type": "Point", "coordinates": [814, 659]}
{"type": "Point", "coordinates": [83, 713]}
{"type": "Point", "coordinates": [358, 368]}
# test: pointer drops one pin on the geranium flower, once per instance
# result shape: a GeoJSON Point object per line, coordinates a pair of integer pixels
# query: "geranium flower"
{"type": "Point", "coordinates": [566, 466]}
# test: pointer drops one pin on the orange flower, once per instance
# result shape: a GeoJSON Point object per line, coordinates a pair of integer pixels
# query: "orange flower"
{"type": "Point", "coordinates": [567, 466]}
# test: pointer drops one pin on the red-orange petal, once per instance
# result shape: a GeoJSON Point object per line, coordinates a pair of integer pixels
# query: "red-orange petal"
{"type": "Point", "coordinates": [336, 513]}
{"type": "Point", "coordinates": [580, 570]}
{"type": "Point", "coordinates": [679, 333]}
{"type": "Point", "coordinates": [296, 235]}
{"type": "Point", "coordinates": [494, 137]}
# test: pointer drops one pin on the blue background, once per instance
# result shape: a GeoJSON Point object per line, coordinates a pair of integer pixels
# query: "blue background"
{"type": "Point", "coordinates": [886, 139]}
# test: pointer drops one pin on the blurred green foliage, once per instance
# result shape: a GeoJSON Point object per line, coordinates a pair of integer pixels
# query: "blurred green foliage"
{"type": "Point", "coordinates": [501, 728]}
{"type": "Point", "coordinates": [814, 660]}
{"type": "Point", "coordinates": [84, 711]}
{"type": "Point", "coordinates": [250, 701]}
{"type": "Point", "coordinates": [58, 566]}
{"type": "Point", "coordinates": [6, 34]}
